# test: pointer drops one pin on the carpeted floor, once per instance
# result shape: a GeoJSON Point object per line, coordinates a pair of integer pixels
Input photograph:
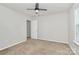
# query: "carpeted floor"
{"type": "Point", "coordinates": [38, 47]}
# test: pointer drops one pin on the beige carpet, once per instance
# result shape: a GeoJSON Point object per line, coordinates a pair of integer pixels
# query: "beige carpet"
{"type": "Point", "coordinates": [38, 47]}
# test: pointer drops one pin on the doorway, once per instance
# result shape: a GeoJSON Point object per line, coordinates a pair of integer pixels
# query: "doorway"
{"type": "Point", "coordinates": [28, 29]}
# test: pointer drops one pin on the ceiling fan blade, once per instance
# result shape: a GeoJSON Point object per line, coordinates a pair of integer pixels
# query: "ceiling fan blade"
{"type": "Point", "coordinates": [43, 9]}
{"type": "Point", "coordinates": [37, 5]}
{"type": "Point", "coordinates": [30, 9]}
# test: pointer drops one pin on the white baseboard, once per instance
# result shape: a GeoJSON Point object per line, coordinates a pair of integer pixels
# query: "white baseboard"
{"type": "Point", "coordinates": [54, 41]}
{"type": "Point", "coordinates": [51, 40]}
{"type": "Point", "coordinates": [12, 45]}
{"type": "Point", "coordinates": [33, 38]}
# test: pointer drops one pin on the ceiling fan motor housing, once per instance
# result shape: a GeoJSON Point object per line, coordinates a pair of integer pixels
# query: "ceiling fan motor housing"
{"type": "Point", "coordinates": [36, 8]}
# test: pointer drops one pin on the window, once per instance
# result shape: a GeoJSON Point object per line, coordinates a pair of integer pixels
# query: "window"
{"type": "Point", "coordinates": [77, 26]}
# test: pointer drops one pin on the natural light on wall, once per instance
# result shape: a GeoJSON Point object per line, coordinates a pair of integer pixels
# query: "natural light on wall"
{"type": "Point", "coordinates": [77, 26]}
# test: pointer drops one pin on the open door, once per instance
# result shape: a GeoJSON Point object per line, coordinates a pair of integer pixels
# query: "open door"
{"type": "Point", "coordinates": [28, 29]}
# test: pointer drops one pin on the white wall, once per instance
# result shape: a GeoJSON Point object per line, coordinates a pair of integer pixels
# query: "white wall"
{"type": "Point", "coordinates": [54, 27]}
{"type": "Point", "coordinates": [12, 27]}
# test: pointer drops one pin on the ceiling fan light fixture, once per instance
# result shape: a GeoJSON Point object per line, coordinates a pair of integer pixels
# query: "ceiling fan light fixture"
{"type": "Point", "coordinates": [36, 11]}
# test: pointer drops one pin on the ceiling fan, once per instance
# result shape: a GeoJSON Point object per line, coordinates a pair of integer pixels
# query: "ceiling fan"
{"type": "Point", "coordinates": [37, 9]}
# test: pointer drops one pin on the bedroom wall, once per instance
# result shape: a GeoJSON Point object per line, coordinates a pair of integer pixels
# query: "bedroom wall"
{"type": "Point", "coordinates": [54, 27]}
{"type": "Point", "coordinates": [12, 27]}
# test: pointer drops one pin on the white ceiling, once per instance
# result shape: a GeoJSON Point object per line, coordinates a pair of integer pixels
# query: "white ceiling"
{"type": "Point", "coordinates": [51, 7]}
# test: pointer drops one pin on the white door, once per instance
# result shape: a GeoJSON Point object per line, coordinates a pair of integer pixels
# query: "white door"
{"type": "Point", "coordinates": [34, 29]}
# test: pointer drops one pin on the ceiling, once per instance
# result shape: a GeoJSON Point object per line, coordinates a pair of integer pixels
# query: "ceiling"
{"type": "Point", "coordinates": [51, 7]}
